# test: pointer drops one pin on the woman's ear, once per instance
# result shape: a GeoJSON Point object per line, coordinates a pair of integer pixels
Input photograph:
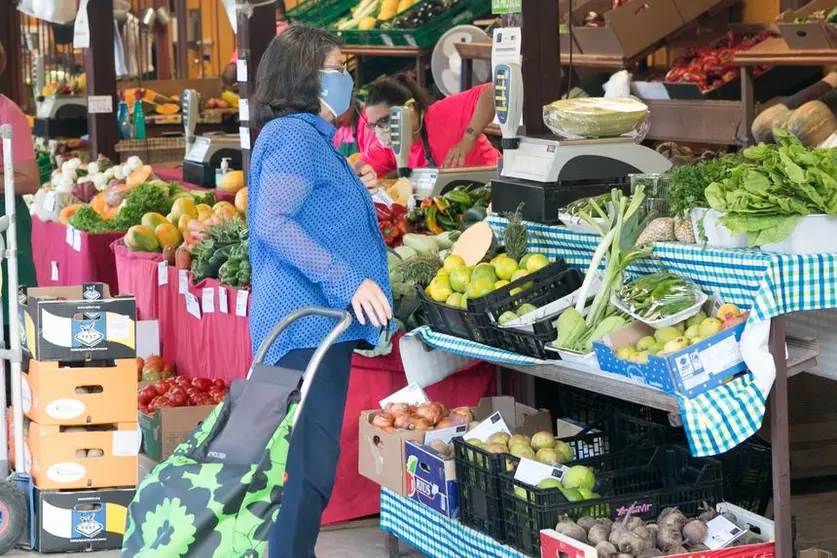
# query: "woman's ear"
{"type": "Point", "coordinates": [416, 117]}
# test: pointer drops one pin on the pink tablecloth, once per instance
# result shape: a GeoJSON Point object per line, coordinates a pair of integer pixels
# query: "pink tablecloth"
{"type": "Point", "coordinates": [218, 345]}
{"type": "Point", "coordinates": [59, 261]}
{"type": "Point", "coordinates": [176, 175]}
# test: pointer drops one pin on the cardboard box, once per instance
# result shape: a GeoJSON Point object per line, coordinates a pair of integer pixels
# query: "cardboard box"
{"type": "Point", "coordinates": [86, 325]}
{"type": "Point", "coordinates": [814, 35]}
{"type": "Point", "coordinates": [690, 372]}
{"type": "Point", "coordinates": [169, 427]}
{"type": "Point", "coordinates": [78, 521]}
{"type": "Point", "coordinates": [815, 553]}
{"type": "Point", "coordinates": [692, 9]}
{"type": "Point", "coordinates": [382, 455]}
{"type": "Point", "coordinates": [51, 457]}
{"type": "Point", "coordinates": [629, 30]}
{"type": "Point", "coordinates": [431, 479]}
{"type": "Point", "coordinates": [63, 395]}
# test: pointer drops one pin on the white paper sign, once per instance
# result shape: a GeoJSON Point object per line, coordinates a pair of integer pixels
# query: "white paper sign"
{"type": "Point", "coordinates": [244, 135]}
{"type": "Point", "coordinates": [81, 28]}
{"type": "Point", "coordinates": [445, 434]}
{"type": "Point", "coordinates": [126, 443]}
{"type": "Point", "coordinates": [411, 395]}
{"type": "Point", "coordinates": [77, 240]}
{"type": "Point", "coordinates": [49, 201]}
{"type": "Point", "coordinates": [148, 338]}
{"type": "Point", "coordinates": [489, 426]}
{"type": "Point", "coordinates": [183, 281]}
{"type": "Point", "coordinates": [241, 70]}
{"type": "Point", "coordinates": [241, 303]}
{"type": "Point", "coordinates": [721, 533]}
{"type": "Point", "coordinates": [54, 271]}
{"type": "Point", "coordinates": [193, 306]}
{"type": "Point", "coordinates": [208, 300]}
{"type": "Point", "coordinates": [223, 304]}
{"type": "Point", "coordinates": [533, 472]}
{"type": "Point", "coordinates": [162, 274]}
{"type": "Point", "coordinates": [243, 110]}
{"type": "Point", "coordinates": [100, 104]}
{"type": "Point", "coordinates": [68, 235]}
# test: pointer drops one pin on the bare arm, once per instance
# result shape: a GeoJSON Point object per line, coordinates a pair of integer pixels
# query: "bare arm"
{"type": "Point", "coordinates": [484, 111]}
{"type": "Point", "coordinates": [27, 178]}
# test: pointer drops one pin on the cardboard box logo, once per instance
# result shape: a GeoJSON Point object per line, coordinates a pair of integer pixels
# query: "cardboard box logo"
{"type": "Point", "coordinates": [412, 465]}
{"type": "Point", "coordinates": [88, 526]}
{"type": "Point", "coordinates": [88, 335]}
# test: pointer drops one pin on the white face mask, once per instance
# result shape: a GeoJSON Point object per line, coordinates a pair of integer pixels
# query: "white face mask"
{"type": "Point", "coordinates": [383, 136]}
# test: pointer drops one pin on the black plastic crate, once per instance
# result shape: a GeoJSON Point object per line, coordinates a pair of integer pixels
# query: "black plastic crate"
{"type": "Point", "coordinates": [549, 284]}
{"type": "Point", "coordinates": [452, 321]}
{"type": "Point", "coordinates": [748, 475]}
{"type": "Point", "coordinates": [613, 433]}
{"type": "Point", "coordinates": [526, 343]}
{"type": "Point", "coordinates": [643, 481]}
{"type": "Point", "coordinates": [478, 478]}
{"type": "Point", "coordinates": [587, 407]}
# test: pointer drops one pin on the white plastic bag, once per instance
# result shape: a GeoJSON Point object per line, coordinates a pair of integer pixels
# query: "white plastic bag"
{"type": "Point", "coordinates": [53, 11]}
{"type": "Point", "coordinates": [619, 85]}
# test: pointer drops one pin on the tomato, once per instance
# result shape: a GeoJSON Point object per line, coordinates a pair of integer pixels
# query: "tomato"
{"type": "Point", "coordinates": [168, 369]}
{"type": "Point", "coordinates": [166, 402]}
{"type": "Point", "coordinates": [219, 396]}
{"type": "Point", "coordinates": [162, 386]}
{"type": "Point", "coordinates": [182, 381]}
{"type": "Point", "coordinates": [146, 395]}
{"type": "Point", "coordinates": [674, 74]}
{"type": "Point", "coordinates": [178, 396]}
{"type": "Point", "coordinates": [140, 364]}
{"type": "Point", "coordinates": [218, 382]}
{"type": "Point", "coordinates": [155, 403]}
{"type": "Point", "coordinates": [143, 409]}
{"type": "Point", "coordinates": [206, 399]}
{"type": "Point", "coordinates": [201, 384]}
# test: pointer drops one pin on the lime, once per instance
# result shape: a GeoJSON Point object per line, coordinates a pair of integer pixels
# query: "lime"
{"type": "Point", "coordinates": [536, 262]}
{"type": "Point", "coordinates": [478, 288]}
{"type": "Point", "coordinates": [497, 258]}
{"type": "Point", "coordinates": [484, 271]}
{"type": "Point", "coordinates": [505, 268]}
{"type": "Point", "coordinates": [500, 284]}
{"type": "Point", "coordinates": [525, 309]}
{"type": "Point", "coordinates": [524, 260]}
{"type": "Point", "coordinates": [506, 317]}
{"type": "Point", "coordinates": [459, 279]}
{"type": "Point", "coordinates": [464, 302]}
{"type": "Point", "coordinates": [454, 300]}
{"type": "Point", "coordinates": [440, 289]}
{"type": "Point", "coordinates": [453, 262]}
{"type": "Point", "coordinates": [519, 274]}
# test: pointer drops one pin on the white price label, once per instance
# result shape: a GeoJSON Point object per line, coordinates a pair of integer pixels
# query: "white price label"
{"type": "Point", "coordinates": [208, 300]}
{"type": "Point", "coordinates": [49, 201]}
{"type": "Point", "coordinates": [489, 426]}
{"type": "Point", "coordinates": [721, 532]}
{"type": "Point", "coordinates": [386, 39]}
{"type": "Point", "coordinates": [244, 135]}
{"type": "Point", "coordinates": [193, 306]}
{"type": "Point", "coordinates": [100, 104]}
{"type": "Point", "coordinates": [77, 240]}
{"type": "Point", "coordinates": [183, 281]}
{"type": "Point", "coordinates": [241, 303]}
{"type": "Point", "coordinates": [68, 235]}
{"type": "Point", "coordinates": [533, 472]}
{"type": "Point", "coordinates": [243, 110]}
{"type": "Point", "coordinates": [411, 41]}
{"type": "Point", "coordinates": [162, 274]}
{"type": "Point", "coordinates": [223, 304]}
{"type": "Point", "coordinates": [54, 271]}
{"type": "Point", "coordinates": [241, 70]}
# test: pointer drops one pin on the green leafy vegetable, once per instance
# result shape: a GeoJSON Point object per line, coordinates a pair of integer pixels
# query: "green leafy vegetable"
{"type": "Point", "coordinates": [86, 219]}
{"type": "Point", "coordinates": [688, 189]}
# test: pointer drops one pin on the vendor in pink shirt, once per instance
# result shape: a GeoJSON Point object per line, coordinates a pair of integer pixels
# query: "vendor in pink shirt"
{"type": "Point", "coordinates": [447, 133]}
{"type": "Point", "coordinates": [354, 135]}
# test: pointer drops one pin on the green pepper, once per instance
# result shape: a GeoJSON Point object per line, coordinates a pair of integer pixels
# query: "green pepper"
{"type": "Point", "coordinates": [459, 197]}
{"type": "Point", "coordinates": [447, 222]}
{"type": "Point", "coordinates": [441, 204]}
{"type": "Point", "coordinates": [415, 216]}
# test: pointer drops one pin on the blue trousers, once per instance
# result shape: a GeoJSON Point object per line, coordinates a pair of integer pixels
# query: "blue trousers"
{"type": "Point", "coordinates": [313, 454]}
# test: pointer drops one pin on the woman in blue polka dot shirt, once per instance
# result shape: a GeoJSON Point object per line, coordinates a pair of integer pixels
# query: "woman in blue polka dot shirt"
{"type": "Point", "coordinates": [314, 241]}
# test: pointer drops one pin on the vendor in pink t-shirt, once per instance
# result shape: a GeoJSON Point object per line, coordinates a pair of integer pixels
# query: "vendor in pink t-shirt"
{"type": "Point", "coordinates": [447, 133]}
{"type": "Point", "coordinates": [353, 132]}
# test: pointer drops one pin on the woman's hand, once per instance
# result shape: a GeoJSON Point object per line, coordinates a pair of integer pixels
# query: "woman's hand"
{"type": "Point", "coordinates": [367, 175]}
{"type": "Point", "coordinates": [369, 301]}
{"type": "Point", "coordinates": [456, 155]}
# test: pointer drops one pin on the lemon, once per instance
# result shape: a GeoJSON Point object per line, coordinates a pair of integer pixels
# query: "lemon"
{"type": "Point", "coordinates": [440, 289]}
{"type": "Point", "coordinates": [505, 268]}
{"type": "Point", "coordinates": [454, 300]}
{"type": "Point", "coordinates": [453, 262]}
{"type": "Point", "coordinates": [536, 262]}
{"type": "Point", "coordinates": [479, 288]}
{"type": "Point", "coordinates": [459, 279]}
{"type": "Point", "coordinates": [485, 271]}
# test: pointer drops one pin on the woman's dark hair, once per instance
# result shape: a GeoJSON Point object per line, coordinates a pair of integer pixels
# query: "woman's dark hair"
{"type": "Point", "coordinates": [288, 78]}
{"type": "Point", "coordinates": [396, 91]}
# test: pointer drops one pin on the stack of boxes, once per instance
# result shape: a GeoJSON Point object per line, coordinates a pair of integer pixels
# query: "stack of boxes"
{"type": "Point", "coordinates": [79, 398]}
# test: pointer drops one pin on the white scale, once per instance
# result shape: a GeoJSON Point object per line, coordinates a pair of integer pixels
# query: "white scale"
{"type": "Point", "coordinates": [205, 153]}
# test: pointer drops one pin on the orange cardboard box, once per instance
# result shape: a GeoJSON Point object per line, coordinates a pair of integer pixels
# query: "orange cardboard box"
{"type": "Point", "coordinates": [59, 396]}
{"type": "Point", "coordinates": [59, 457]}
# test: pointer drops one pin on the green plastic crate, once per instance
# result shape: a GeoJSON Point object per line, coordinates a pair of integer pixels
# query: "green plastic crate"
{"type": "Point", "coordinates": [323, 13]}
{"type": "Point", "coordinates": [425, 36]}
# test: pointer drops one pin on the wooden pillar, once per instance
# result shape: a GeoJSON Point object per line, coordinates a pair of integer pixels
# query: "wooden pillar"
{"type": "Point", "coordinates": [101, 77]}
{"type": "Point", "coordinates": [253, 37]}
{"type": "Point", "coordinates": [162, 39]}
{"type": "Point", "coordinates": [541, 61]}
{"type": "Point", "coordinates": [11, 80]}
{"type": "Point", "coordinates": [182, 48]}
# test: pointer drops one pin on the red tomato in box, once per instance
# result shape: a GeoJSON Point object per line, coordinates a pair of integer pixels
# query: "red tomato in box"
{"type": "Point", "coordinates": [166, 402]}
{"type": "Point", "coordinates": [178, 396]}
{"type": "Point", "coordinates": [218, 382]}
{"type": "Point", "coordinates": [146, 395]}
{"type": "Point", "coordinates": [201, 384]}
{"type": "Point", "coordinates": [168, 369]}
{"type": "Point", "coordinates": [217, 394]}
{"type": "Point", "coordinates": [206, 399]}
{"type": "Point", "coordinates": [162, 386]}
{"type": "Point", "coordinates": [182, 381]}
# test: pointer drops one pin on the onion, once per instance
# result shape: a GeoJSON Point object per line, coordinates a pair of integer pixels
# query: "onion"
{"type": "Point", "coordinates": [398, 408]}
{"type": "Point", "coordinates": [695, 531]}
{"type": "Point", "coordinates": [465, 412]}
{"type": "Point", "coordinates": [382, 420]}
{"type": "Point", "coordinates": [402, 421]}
{"type": "Point", "coordinates": [446, 423]}
{"type": "Point", "coordinates": [419, 423]}
{"type": "Point", "coordinates": [432, 412]}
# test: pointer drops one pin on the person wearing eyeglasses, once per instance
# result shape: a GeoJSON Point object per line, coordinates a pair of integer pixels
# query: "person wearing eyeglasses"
{"type": "Point", "coordinates": [353, 136]}
{"type": "Point", "coordinates": [447, 133]}
{"type": "Point", "coordinates": [314, 241]}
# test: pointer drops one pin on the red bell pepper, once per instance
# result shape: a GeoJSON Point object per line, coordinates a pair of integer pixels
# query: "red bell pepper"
{"type": "Point", "coordinates": [403, 225]}
{"type": "Point", "coordinates": [397, 210]}
{"type": "Point", "coordinates": [390, 232]}
{"type": "Point", "coordinates": [383, 212]}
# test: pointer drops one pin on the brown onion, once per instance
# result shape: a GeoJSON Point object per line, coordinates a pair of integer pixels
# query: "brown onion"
{"type": "Point", "coordinates": [419, 423]}
{"type": "Point", "coordinates": [382, 420]}
{"type": "Point", "coordinates": [465, 412]}
{"type": "Point", "coordinates": [445, 410]}
{"type": "Point", "coordinates": [401, 421]}
{"type": "Point", "coordinates": [432, 412]}
{"type": "Point", "coordinates": [446, 422]}
{"type": "Point", "coordinates": [398, 408]}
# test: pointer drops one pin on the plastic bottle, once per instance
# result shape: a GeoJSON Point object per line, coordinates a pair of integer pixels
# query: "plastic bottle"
{"type": "Point", "coordinates": [123, 119]}
{"type": "Point", "coordinates": [139, 117]}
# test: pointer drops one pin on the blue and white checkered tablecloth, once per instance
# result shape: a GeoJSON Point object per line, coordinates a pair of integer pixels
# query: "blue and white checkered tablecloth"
{"type": "Point", "coordinates": [768, 284]}
{"type": "Point", "coordinates": [435, 535]}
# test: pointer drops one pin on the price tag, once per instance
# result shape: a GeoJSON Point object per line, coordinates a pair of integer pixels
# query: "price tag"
{"type": "Point", "coordinates": [162, 274]}
{"type": "Point", "coordinates": [193, 306]}
{"type": "Point", "coordinates": [241, 303]}
{"type": "Point", "coordinates": [223, 304]}
{"type": "Point", "coordinates": [241, 70]}
{"type": "Point", "coordinates": [77, 240]}
{"type": "Point", "coordinates": [100, 104]}
{"type": "Point", "coordinates": [183, 281]}
{"type": "Point", "coordinates": [208, 300]}
{"type": "Point", "coordinates": [244, 135]}
{"type": "Point", "coordinates": [386, 39]}
{"type": "Point", "coordinates": [54, 271]}
{"type": "Point", "coordinates": [721, 532]}
{"type": "Point", "coordinates": [68, 235]}
{"type": "Point", "coordinates": [489, 426]}
{"type": "Point", "coordinates": [411, 395]}
{"type": "Point", "coordinates": [533, 472]}
{"type": "Point", "coordinates": [411, 41]}
{"type": "Point", "coordinates": [243, 110]}
{"type": "Point", "coordinates": [49, 201]}
{"type": "Point", "coordinates": [445, 434]}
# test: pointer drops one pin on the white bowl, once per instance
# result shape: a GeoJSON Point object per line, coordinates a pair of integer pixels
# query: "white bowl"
{"type": "Point", "coordinates": [716, 233]}
{"type": "Point", "coordinates": [813, 234]}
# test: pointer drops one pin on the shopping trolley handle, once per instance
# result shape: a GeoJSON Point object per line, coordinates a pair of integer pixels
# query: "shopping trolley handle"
{"type": "Point", "coordinates": [343, 318]}
{"type": "Point", "coordinates": [6, 131]}
{"type": "Point", "coordinates": [4, 222]}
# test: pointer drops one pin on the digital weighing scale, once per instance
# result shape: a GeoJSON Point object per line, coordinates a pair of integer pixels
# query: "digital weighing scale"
{"type": "Point", "coordinates": [60, 116]}
{"type": "Point", "coordinates": [430, 181]}
{"type": "Point", "coordinates": [547, 174]}
{"type": "Point", "coordinates": [205, 153]}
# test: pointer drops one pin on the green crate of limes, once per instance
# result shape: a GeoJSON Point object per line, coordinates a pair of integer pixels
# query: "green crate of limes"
{"type": "Point", "coordinates": [323, 13]}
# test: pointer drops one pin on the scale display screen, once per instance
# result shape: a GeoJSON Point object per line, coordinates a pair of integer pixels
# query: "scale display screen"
{"type": "Point", "coordinates": [395, 122]}
{"type": "Point", "coordinates": [502, 75]}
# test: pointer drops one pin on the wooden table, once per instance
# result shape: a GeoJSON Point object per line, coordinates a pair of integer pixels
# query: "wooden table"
{"type": "Point", "coordinates": [421, 56]}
